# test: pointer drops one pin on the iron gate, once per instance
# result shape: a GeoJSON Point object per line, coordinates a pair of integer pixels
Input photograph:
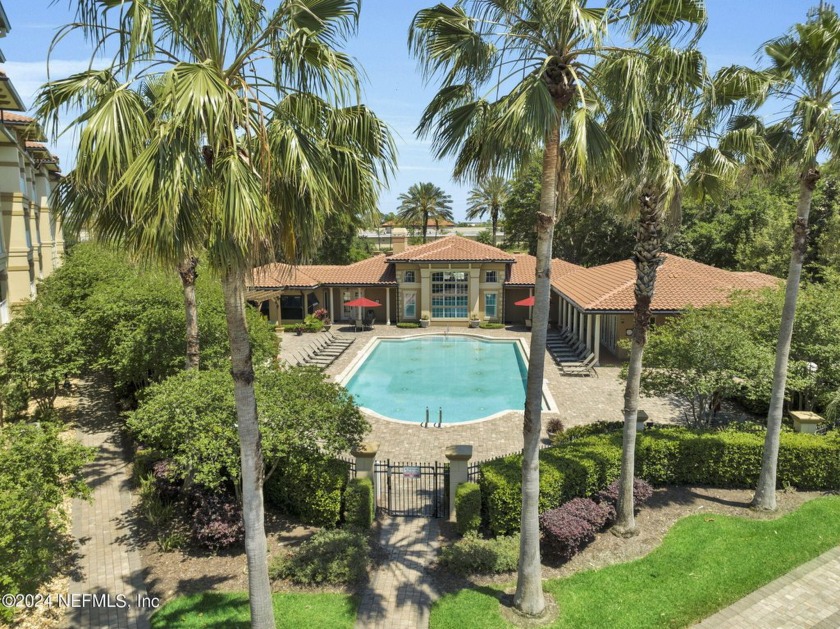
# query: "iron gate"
{"type": "Point", "coordinates": [412, 489]}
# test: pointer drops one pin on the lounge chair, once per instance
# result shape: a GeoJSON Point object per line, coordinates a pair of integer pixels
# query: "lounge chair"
{"type": "Point", "coordinates": [583, 368]}
{"type": "Point", "coordinates": [360, 325]}
{"type": "Point", "coordinates": [370, 323]}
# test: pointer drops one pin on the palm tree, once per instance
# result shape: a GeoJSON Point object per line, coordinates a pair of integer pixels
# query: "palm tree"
{"type": "Point", "coordinates": [654, 117]}
{"type": "Point", "coordinates": [86, 207]}
{"type": "Point", "coordinates": [516, 75]}
{"type": "Point", "coordinates": [422, 203]}
{"type": "Point", "coordinates": [488, 197]}
{"type": "Point", "coordinates": [804, 74]}
{"type": "Point", "coordinates": [267, 156]}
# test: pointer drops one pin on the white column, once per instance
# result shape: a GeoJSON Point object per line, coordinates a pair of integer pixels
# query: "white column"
{"type": "Point", "coordinates": [559, 311]}
{"type": "Point", "coordinates": [597, 339]}
{"type": "Point", "coordinates": [574, 322]}
{"type": "Point", "coordinates": [334, 314]}
{"type": "Point", "coordinates": [588, 329]}
{"type": "Point", "coordinates": [387, 305]}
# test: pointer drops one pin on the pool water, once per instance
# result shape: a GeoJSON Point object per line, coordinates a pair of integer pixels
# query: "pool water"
{"type": "Point", "coordinates": [466, 377]}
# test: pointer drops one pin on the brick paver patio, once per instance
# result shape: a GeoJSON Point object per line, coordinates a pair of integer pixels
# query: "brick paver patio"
{"type": "Point", "coordinates": [807, 597]}
{"type": "Point", "coordinates": [400, 593]}
{"type": "Point", "coordinates": [108, 565]}
{"type": "Point", "coordinates": [579, 400]}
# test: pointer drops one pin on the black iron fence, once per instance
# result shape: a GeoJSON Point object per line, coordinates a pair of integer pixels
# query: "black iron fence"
{"type": "Point", "coordinates": [412, 489]}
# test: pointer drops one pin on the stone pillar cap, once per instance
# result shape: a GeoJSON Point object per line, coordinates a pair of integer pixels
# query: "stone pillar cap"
{"type": "Point", "coordinates": [806, 417]}
{"type": "Point", "coordinates": [459, 453]}
{"type": "Point", "coordinates": [366, 449]}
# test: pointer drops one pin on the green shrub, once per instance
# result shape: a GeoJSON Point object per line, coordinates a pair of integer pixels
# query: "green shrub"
{"type": "Point", "coordinates": [144, 460]}
{"type": "Point", "coordinates": [730, 458]}
{"type": "Point", "coordinates": [39, 470]}
{"type": "Point", "coordinates": [310, 490]}
{"type": "Point", "coordinates": [334, 556]}
{"type": "Point", "coordinates": [408, 325]}
{"type": "Point", "coordinates": [487, 325]}
{"type": "Point", "coordinates": [578, 432]}
{"type": "Point", "coordinates": [468, 507]}
{"type": "Point", "coordinates": [359, 503]}
{"type": "Point", "coordinates": [566, 472]}
{"type": "Point", "coordinates": [664, 456]}
{"type": "Point", "coordinates": [473, 555]}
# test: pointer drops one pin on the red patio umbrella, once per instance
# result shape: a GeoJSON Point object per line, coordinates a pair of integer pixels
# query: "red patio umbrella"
{"type": "Point", "coordinates": [528, 301]}
{"type": "Point", "coordinates": [362, 302]}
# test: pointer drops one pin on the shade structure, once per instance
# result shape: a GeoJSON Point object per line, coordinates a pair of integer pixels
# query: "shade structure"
{"type": "Point", "coordinates": [528, 301]}
{"type": "Point", "coordinates": [362, 302]}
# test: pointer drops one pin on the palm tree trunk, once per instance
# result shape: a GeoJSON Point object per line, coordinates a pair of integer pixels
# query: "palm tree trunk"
{"type": "Point", "coordinates": [765, 493]}
{"type": "Point", "coordinates": [647, 256]}
{"type": "Point", "coordinates": [186, 269]}
{"type": "Point", "coordinates": [242, 369]}
{"type": "Point", "coordinates": [494, 218]}
{"type": "Point", "coordinates": [425, 225]}
{"type": "Point", "coordinates": [529, 598]}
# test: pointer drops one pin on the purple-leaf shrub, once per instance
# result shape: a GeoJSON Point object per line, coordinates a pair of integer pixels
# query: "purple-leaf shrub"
{"type": "Point", "coordinates": [642, 492]}
{"type": "Point", "coordinates": [564, 534]}
{"type": "Point", "coordinates": [166, 484]}
{"type": "Point", "coordinates": [217, 521]}
{"type": "Point", "coordinates": [586, 509]}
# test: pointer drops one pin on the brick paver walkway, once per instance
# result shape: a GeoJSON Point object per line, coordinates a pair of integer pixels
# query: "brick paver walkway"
{"type": "Point", "coordinates": [400, 593]}
{"type": "Point", "coordinates": [807, 597]}
{"type": "Point", "coordinates": [108, 563]}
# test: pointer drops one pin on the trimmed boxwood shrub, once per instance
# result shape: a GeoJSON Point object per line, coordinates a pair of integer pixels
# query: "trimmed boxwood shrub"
{"type": "Point", "coordinates": [664, 456]}
{"type": "Point", "coordinates": [566, 472]}
{"type": "Point", "coordinates": [473, 555]}
{"type": "Point", "coordinates": [468, 508]}
{"type": "Point", "coordinates": [359, 503]}
{"type": "Point", "coordinates": [491, 326]}
{"type": "Point", "coordinates": [310, 490]}
{"type": "Point", "coordinates": [335, 556]}
{"type": "Point", "coordinates": [407, 325]}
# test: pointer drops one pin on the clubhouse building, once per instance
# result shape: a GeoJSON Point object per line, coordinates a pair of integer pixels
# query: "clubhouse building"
{"type": "Point", "coordinates": [453, 279]}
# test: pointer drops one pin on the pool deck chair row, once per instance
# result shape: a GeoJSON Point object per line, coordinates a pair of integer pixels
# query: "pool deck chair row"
{"type": "Point", "coordinates": [324, 351]}
{"type": "Point", "coordinates": [571, 354]}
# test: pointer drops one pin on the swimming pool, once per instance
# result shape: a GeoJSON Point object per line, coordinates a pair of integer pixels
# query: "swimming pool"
{"type": "Point", "coordinates": [464, 377]}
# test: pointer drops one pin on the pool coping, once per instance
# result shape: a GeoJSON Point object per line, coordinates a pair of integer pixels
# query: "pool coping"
{"type": "Point", "coordinates": [548, 403]}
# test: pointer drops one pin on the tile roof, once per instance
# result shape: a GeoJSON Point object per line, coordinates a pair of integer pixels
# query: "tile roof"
{"type": "Point", "coordinates": [679, 283]}
{"type": "Point", "coordinates": [453, 248]}
{"type": "Point", "coordinates": [14, 118]}
{"type": "Point", "coordinates": [524, 270]}
{"type": "Point", "coordinates": [372, 271]}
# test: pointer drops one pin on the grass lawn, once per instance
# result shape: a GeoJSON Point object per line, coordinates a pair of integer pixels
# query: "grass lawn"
{"type": "Point", "coordinates": [217, 610]}
{"type": "Point", "coordinates": [705, 563]}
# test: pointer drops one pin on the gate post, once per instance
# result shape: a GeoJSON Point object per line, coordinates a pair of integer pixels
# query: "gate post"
{"type": "Point", "coordinates": [459, 457]}
{"type": "Point", "coordinates": [364, 454]}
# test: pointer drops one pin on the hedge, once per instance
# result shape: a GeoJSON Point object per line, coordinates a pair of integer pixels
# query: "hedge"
{"type": "Point", "coordinates": [566, 472]}
{"type": "Point", "coordinates": [309, 490]}
{"type": "Point", "coordinates": [468, 508]}
{"type": "Point", "coordinates": [666, 456]}
{"type": "Point", "coordinates": [360, 506]}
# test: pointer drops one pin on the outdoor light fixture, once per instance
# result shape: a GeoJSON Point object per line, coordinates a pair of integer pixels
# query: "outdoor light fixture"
{"type": "Point", "coordinates": [628, 332]}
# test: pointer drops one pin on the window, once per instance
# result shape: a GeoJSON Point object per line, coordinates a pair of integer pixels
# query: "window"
{"type": "Point", "coordinates": [490, 305]}
{"type": "Point", "coordinates": [491, 277]}
{"type": "Point", "coordinates": [449, 294]}
{"type": "Point", "coordinates": [408, 277]}
{"type": "Point", "coordinates": [410, 304]}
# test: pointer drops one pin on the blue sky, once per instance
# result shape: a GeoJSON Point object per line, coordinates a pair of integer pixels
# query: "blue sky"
{"type": "Point", "coordinates": [393, 86]}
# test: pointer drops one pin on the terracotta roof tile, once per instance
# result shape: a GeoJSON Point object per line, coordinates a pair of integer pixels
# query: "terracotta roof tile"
{"type": "Point", "coordinates": [372, 271]}
{"type": "Point", "coordinates": [453, 248]}
{"type": "Point", "coordinates": [679, 283]}
{"type": "Point", "coordinates": [524, 270]}
{"type": "Point", "coordinates": [14, 118]}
